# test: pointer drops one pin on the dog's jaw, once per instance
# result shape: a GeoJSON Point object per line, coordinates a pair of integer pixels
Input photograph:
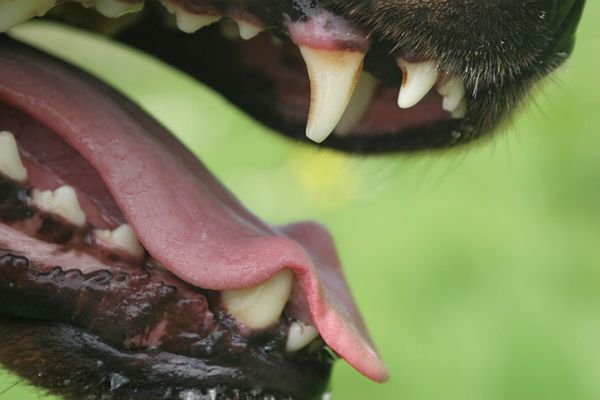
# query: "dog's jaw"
{"type": "Point", "coordinates": [447, 102]}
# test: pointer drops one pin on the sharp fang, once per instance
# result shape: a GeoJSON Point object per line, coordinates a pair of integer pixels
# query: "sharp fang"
{"type": "Point", "coordinates": [299, 336]}
{"type": "Point", "coordinates": [418, 80]}
{"type": "Point", "coordinates": [63, 201]}
{"type": "Point", "coordinates": [260, 306]}
{"type": "Point", "coordinates": [188, 22]}
{"type": "Point", "coordinates": [461, 109]}
{"type": "Point", "coordinates": [122, 238]}
{"type": "Point", "coordinates": [453, 92]}
{"type": "Point", "coordinates": [359, 104]}
{"type": "Point", "coordinates": [117, 8]}
{"type": "Point", "coordinates": [10, 162]}
{"type": "Point", "coordinates": [248, 30]}
{"type": "Point", "coordinates": [333, 76]}
{"type": "Point", "coordinates": [13, 12]}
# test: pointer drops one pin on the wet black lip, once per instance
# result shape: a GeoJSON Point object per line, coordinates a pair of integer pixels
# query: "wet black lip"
{"type": "Point", "coordinates": [489, 102]}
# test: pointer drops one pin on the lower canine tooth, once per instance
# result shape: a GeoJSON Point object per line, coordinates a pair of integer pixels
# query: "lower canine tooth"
{"type": "Point", "coordinates": [63, 201]}
{"type": "Point", "coordinates": [10, 162]}
{"type": "Point", "coordinates": [13, 12]}
{"type": "Point", "coordinates": [122, 238]}
{"type": "Point", "coordinates": [418, 80]}
{"type": "Point", "coordinates": [359, 104]}
{"type": "Point", "coordinates": [188, 22]}
{"type": "Point", "coordinates": [453, 92]}
{"type": "Point", "coordinates": [299, 336]}
{"type": "Point", "coordinates": [117, 8]}
{"type": "Point", "coordinates": [260, 306]}
{"type": "Point", "coordinates": [333, 76]}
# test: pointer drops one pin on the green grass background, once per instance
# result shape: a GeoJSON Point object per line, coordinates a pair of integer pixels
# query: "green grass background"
{"type": "Point", "coordinates": [478, 271]}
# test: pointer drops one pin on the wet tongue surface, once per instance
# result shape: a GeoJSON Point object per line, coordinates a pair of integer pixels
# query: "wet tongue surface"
{"type": "Point", "coordinates": [182, 215]}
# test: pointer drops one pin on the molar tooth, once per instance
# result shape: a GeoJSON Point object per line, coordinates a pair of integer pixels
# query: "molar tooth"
{"type": "Point", "coordinates": [299, 336]}
{"type": "Point", "coordinates": [122, 238]}
{"type": "Point", "coordinates": [63, 201]}
{"type": "Point", "coordinates": [418, 80]}
{"type": "Point", "coordinates": [453, 92]}
{"type": "Point", "coordinates": [117, 8]}
{"type": "Point", "coordinates": [461, 109]}
{"type": "Point", "coordinates": [188, 22]}
{"type": "Point", "coordinates": [260, 306]}
{"type": "Point", "coordinates": [13, 12]}
{"type": "Point", "coordinates": [248, 30]}
{"type": "Point", "coordinates": [10, 162]}
{"type": "Point", "coordinates": [359, 104]}
{"type": "Point", "coordinates": [333, 76]}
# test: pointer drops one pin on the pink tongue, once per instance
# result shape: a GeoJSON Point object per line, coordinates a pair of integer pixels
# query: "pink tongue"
{"type": "Point", "coordinates": [184, 217]}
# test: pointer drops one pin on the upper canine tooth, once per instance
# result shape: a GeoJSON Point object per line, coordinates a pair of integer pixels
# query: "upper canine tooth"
{"type": "Point", "coordinates": [188, 22]}
{"type": "Point", "coordinates": [359, 104]}
{"type": "Point", "coordinates": [10, 162]}
{"type": "Point", "coordinates": [123, 238]}
{"type": "Point", "coordinates": [333, 76]}
{"type": "Point", "coordinates": [260, 306]}
{"type": "Point", "coordinates": [63, 201]}
{"type": "Point", "coordinates": [453, 92]}
{"type": "Point", "coordinates": [418, 79]}
{"type": "Point", "coordinates": [117, 8]}
{"type": "Point", "coordinates": [13, 12]}
{"type": "Point", "coordinates": [299, 336]}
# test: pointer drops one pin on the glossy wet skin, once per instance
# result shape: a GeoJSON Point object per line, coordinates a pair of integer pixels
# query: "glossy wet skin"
{"type": "Point", "coordinates": [502, 79]}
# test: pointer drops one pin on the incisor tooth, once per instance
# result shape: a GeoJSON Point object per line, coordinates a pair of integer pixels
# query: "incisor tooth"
{"type": "Point", "coordinates": [461, 109]}
{"type": "Point", "coordinates": [299, 336]}
{"type": "Point", "coordinates": [122, 238]}
{"type": "Point", "coordinates": [117, 8]}
{"type": "Point", "coordinates": [248, 30]}
{"type": "Point", "coordinates": [260, 306]}
{"type": "Point", "coordinates": [13, 12]}
{"type": "Point", "coordinates": [418, 79]}
{"type": "Point", "coordinates": [188, 22]}
{"type": "Point", "coordinates": [453, 92]}
{"type": "Point", "coordinates": [10, 162]}
{"type": "Point", "coordinates": [359, 104]}
{"type": "Point", "coordinates": [63, 201]}
{"type": "Point", "coordinates": [333, 76]}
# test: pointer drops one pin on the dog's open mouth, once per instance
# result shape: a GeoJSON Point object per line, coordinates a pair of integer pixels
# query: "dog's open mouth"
{"type": "Point", "coordinates": [127, 271]}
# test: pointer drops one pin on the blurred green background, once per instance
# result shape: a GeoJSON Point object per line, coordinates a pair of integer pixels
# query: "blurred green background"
{"type": "Point", "coordinates": [478, 271]}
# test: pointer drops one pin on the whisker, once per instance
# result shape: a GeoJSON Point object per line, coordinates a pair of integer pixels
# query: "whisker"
{"type": "Point", "coordinates": [17, 383]}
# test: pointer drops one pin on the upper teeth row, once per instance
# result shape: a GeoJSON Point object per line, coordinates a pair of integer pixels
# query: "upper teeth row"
{"type": "Point", "coordinates": [63, 201]}
{"type": "Point", "coordinates": [333, 74]}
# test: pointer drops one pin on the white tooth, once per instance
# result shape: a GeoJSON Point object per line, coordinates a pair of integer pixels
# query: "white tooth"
{"type": "Point", "coordinates": [248, 30]}
{"type": "Point", "coordinates": [13, 12]}
{"type": "Point", "coordinates": [359, 104]}
{"type": "Point", "coordinates": [260, 306]}
{"type": "Point", "coordinates": [10, 162]}
{"type": "Point", "coordinates": [122, 238]}
{"type": "Point", "coordinates": [117, 8]}
{"type": "Point", "coordinates": [461, 109]}
{"type": "Point", "coordinates": [299, 336]}
{"type": "Point", "coordinates": [333, 76]}
{"type": "Point", "coordinates": [453, 92]}
{"type": "Point", "coordinates": [418, 80]}
{"type": "Point", "coordinates": [188, 22]}
{"type": "Point", "coordinates": [63, 201]}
